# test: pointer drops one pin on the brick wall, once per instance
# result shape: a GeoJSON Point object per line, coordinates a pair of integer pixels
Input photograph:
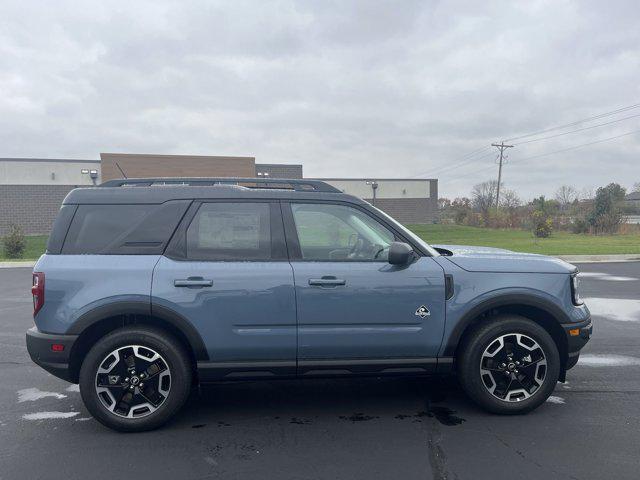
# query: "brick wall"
{"type": "Point", "coordinates": [279, 170]}
{"type": "Point", "coordinates": [408, 210]}
{"type": "Point", "coordinates": [33, 207]}
{"type": "Point", "coordinates": [141, 166]}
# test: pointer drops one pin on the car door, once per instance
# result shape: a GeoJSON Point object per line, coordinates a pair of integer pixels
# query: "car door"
{"type": "Point", "coordinates": [356, 312]}
{"type": "Point", "coordinates": [226, 272]}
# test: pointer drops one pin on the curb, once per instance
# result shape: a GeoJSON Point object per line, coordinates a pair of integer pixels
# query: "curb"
{"type": "Point", "coordinates": [599, 258]}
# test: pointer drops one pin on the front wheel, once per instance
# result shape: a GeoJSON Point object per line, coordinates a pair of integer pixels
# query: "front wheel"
{"type": "Point", "coordinates": [509, 365]}
{"type": "Point", "coordinates": [135, 378]}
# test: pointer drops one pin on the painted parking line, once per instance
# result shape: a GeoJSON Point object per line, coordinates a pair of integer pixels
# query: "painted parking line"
{"type": "Point", "coordinates": [618, 309]}
{"type": "Point", "coordinates": [603, 360]}
{"type": "Point", "coordinates": [607, 277]}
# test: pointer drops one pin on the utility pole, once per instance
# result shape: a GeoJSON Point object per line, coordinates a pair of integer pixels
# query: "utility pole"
{"type": "Point", "coordinates": [502, 147]}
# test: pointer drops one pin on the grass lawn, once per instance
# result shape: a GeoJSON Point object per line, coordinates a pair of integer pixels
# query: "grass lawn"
{"type": "Point", "coordinates": [36, 245]}
{"type": "Point", "coordinates": [560, 243]}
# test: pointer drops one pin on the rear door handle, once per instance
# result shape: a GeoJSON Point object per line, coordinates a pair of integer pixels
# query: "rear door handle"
{"type": "Point", "coordinates": [193, 282]}
{"type": "Point", "coordinates": [327, 281]}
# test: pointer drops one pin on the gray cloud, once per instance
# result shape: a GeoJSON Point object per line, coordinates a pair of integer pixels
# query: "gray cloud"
{"type": "Point", "coordinates": [375, 88]}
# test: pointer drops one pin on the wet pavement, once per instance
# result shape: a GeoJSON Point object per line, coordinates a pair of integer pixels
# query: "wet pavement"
{"type": "Point", "coordinates": [339, 429]}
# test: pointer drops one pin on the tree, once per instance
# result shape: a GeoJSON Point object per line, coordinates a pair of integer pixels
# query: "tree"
{"type": "Point", "coordinates": [636, 187]}
{"type": "Point", "coordinates": [461, 209]}
{"type": "Point", "coordinates": [565, 196]}
{"type": "Point", "coordinates": [510, 200]}
{"type": "Point", "coordinates": [483, 197]}
{"type": "Point", "coordinates": [606, 215]}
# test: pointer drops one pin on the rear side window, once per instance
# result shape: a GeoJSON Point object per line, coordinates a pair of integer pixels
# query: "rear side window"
{"type": "Point", "coordinates": [123, 229]}
{"type": "Point", "coordinates": [230, 231]}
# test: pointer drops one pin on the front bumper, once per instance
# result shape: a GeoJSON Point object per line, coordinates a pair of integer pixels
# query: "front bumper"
{"type": "Point", "coordinates": [39, 346]}
{"type": "Point", "coordinates": [578, 334]}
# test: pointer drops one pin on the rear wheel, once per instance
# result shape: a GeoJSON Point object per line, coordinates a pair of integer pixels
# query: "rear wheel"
{"type": "Point", "coordinates": [135, 378]}
{"type": "Point", "coordinates": [509, 365]}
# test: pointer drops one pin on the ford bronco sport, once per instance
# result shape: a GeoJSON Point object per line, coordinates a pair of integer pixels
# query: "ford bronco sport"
{"type": "Point", "coordinates": [149, 286]}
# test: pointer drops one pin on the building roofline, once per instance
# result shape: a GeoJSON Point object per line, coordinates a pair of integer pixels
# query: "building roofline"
{"type": "Point", "coordinates": [168, 155]}
{"type": "Point", "coordinates": [378, 179]}
{"type": "Point", "coordinates": [278, 165]}
{"type": "Point", "coordinates": [57, 160]}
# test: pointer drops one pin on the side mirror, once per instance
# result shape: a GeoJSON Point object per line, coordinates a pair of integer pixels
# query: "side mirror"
{"type": "Point", "coordinates": [400, 253]}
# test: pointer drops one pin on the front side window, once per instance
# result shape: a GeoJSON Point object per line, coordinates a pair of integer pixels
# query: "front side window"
{"type": "Point", "coordinates": [339, 233]}
{"type": "Point", "coordinates": [230, 231]}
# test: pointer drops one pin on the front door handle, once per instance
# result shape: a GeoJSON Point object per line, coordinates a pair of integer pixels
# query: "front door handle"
{"type": "Point", "coordinates": [327, 281]}
{"type": "Point", "coordinates": [193, 282]}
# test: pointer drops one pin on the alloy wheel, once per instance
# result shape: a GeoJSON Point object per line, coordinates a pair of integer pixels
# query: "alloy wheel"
{"type": "Point", "coordinates": [513, 367]}
{"type": "Point", "coordinates": [133, 381]}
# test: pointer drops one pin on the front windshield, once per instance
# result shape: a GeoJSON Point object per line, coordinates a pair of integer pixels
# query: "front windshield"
{"type": "Point", "coordinates": [408, 233]}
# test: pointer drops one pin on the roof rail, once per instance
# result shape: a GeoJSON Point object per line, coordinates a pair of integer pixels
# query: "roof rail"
{"type": "Point", "coordinates": [247, 182]}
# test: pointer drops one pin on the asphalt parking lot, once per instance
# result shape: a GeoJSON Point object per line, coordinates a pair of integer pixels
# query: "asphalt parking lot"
{"type": "Point", "coordinates": [351, 429]}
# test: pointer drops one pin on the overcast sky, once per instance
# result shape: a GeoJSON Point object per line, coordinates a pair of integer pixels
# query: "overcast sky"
{"type": "Point", "coordinates": [378, 89]}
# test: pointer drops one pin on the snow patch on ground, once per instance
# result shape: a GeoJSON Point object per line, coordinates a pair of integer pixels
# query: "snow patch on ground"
{"type": "Point", "coordinates": [596, 360]}
{"type": "Point", "coordinates": [73, 388]}
{"type": "Point", "coordinates": [558, 400]}
{"type": "Point", "coordinates": [33, 394]}
{"type": "Point", "coordinates": [619, 309]}
{"type": "Point", "coordinates": [49, 415]}
{"type": "Point", "coordinates": [83, 419]}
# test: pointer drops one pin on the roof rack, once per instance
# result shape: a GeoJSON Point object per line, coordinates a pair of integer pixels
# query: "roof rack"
{"type": "Point", "coordinates": [247, 182]}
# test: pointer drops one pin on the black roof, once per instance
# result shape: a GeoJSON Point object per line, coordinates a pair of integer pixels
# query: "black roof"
{"type": "Point", "coordinates": [160, 190]}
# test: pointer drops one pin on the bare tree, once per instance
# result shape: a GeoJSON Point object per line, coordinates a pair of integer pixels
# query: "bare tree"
{"type": "Point", "coordinates": [565, 196]}
{"type": "Point", "coordinates": [483, 196]}
{"type": "Point", "coordinates": [636, 187]}
{"type": "Point", "coordinates": [509, 200]}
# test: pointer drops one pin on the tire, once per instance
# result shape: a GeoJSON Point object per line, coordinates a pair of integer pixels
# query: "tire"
{"type": "Point", "coordinates": [516, 388]}
{"type": "Point", "coordinates": [158, 356]}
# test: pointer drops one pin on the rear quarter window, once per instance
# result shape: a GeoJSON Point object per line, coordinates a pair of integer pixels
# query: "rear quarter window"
{"type": "Point", "coordinates": [123, 229]}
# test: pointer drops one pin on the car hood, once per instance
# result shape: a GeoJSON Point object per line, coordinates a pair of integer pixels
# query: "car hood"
{"type": "Point", "coordinates": [488, 259]}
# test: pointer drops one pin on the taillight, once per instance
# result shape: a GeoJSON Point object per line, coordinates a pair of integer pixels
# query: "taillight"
{"type": "Point", "coordinates": [37, 290]}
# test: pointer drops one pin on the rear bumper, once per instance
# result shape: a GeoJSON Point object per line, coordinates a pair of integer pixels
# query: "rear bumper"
{"type": "Point", "coordinates": [39, 346]}
{"type": "Point", "coordinates": [578, 334]}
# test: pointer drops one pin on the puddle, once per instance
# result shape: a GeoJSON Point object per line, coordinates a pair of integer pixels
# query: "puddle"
{"type": "Point", "coordinates": [358, 417]}
{"type": "Point", "coordinates": [300, 421]}
{"type": "Point", "coordinates": [444, 415]}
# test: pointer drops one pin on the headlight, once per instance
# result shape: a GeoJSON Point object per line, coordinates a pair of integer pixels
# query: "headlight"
{"type": "Point", "coordinates": [575, 296]}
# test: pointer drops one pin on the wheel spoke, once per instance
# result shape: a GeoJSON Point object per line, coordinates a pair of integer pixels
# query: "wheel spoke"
{"type": "Point", "coordinates": [126, 393]}
{"type": "Point", "coordinates": [508, 360]}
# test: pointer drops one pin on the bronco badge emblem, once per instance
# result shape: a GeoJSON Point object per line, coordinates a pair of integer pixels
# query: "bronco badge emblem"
{"type": "Point", "coordinates": [422, 311]}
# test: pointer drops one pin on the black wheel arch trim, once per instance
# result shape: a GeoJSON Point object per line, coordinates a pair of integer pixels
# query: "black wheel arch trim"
{"type": "Point", "coordinates": [511, 299]}
{"type": "Point", "coordinates": [142, 307]}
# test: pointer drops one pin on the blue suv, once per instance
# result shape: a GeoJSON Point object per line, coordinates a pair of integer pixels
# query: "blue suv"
{"type": "Point", "coordinates": [150, 286]}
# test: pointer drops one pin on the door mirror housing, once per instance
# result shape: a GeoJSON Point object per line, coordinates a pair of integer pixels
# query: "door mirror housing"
{"type": "Point", "coordinates": [400, 253]}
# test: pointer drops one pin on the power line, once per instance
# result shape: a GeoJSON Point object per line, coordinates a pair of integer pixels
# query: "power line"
{"type": "Point", "coordinates": [578, 130]}
{"type": "Point", "coordinates": [467, 158]}
{"type": "Point", "coordinates": [576, 122]}
{"type": "Point", "coordinates": [579, 146]}
{"type": "Point", "coordinates": [475, 172]}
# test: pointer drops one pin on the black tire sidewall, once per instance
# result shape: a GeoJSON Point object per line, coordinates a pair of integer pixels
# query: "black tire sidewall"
{"type": "Point", "coordinates": [481, 338]}
{"type": "Point", "coordinates": [164, 344]}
